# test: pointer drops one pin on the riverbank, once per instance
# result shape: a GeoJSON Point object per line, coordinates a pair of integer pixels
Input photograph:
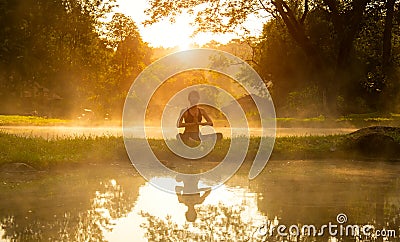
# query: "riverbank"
{"type": "Point", "coordinates": [42, 153]}
{"type": "Point", "coordinates": [348, 121]}
{"type": "Point", "coordinates": [19, 120]}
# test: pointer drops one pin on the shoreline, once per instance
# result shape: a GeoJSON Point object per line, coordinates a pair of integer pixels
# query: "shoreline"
{"type": "Point", "coordinates": [50, 132]}
{"type": "Point", "coordinates": [44, 154]}
{"type": "Point", "coordinates": [351, 121]}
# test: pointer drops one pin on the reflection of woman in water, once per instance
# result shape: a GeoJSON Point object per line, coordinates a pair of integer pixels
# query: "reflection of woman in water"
{"type": "Point", "coordinates": [190, 184]}
{"type": "Point", "coordinates": [191, 118]}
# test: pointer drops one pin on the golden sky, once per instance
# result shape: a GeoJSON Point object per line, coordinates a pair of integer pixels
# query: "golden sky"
{"type": "Point", "coordinates": [178, 34]}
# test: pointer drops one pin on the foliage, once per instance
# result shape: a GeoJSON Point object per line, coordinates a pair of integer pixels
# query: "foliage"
{"type": "Point", "coordinates": [348, 50]}
{"type": "Point", "coordinates": [54, 60]}
{"type": "Point", "coordinates": [215, 223]}
{"type": "Point", "coordinates": [88, 209]}
{"type": "Point", "coordinates": [60, 57]}
{"type": "Point", "coordinates": [231, 223]}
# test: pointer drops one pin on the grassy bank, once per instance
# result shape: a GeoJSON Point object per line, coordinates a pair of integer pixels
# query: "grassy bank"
{"type": "Point", "coordinates": [43, 154]}
{"type": "Point", "coordinates": [18, 120]}
{"type": "Point", "coordinates": [348, 121]}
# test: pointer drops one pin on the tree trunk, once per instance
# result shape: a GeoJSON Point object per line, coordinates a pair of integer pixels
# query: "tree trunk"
{"type": "Point", "coordinates": [347, 32]}
{"type": "Point", "coordinates": [387, 35]}
{"type": "Point", "coordinates": [347, 26]}
{"type": "Point", "coordinates": [322, 67]}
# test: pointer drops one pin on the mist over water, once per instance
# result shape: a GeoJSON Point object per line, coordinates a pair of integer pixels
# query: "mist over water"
{"type": "Point", "coordinates": [116, 204]}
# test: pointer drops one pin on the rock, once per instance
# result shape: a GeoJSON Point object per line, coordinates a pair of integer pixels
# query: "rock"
{"type": "Point", "coordinates": [17, 168]}
{"type": "Point", "coordinates": [376, 129]}
{"type": "Point", "coordinates": [376, 145]}
{"type": "Point", "coordinates": [375, 141]}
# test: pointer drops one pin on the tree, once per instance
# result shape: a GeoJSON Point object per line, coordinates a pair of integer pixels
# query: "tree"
{"type": "Point", "coordinates": [387, 34]}
{"type": "Point", "coordinates": [51, 44]}
{"type": "Point", "coordinates": [63, 47]}
{"type": "Point", "coordinates": [130, 55]}
{"type": "Point", "coordinates": [332, 71]}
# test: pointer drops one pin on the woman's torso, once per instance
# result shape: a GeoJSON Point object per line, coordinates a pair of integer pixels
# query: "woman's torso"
{"type": "Point", "coordinates": [192, 115]}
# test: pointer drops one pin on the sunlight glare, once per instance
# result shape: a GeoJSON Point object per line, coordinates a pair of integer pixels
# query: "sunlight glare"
{"type": "Point", "coordinates": [185, 45]}
{"type": "Point", "coordinates": [166, 34]}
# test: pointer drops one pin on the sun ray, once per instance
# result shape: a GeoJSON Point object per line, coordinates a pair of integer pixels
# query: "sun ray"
{"type": "Point", "coordinates": [185, 45]}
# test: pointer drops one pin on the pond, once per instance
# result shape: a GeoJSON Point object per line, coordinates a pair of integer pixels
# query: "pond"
{"type": "Point", "coordinates": [114, 203]}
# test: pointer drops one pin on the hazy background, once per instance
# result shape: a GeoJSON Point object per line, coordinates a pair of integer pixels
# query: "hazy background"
{"type": "Point", "coordinates": [318, 58]}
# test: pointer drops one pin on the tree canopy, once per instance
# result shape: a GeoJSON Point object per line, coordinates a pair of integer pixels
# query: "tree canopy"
{"type": "Point", "coordinates": [317, 57]}
{"type": "Point", "coordinates": [58, 58]}
{"type": "Point", "coordinates": [336, 53]}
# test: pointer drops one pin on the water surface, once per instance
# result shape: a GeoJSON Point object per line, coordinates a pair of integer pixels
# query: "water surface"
{"type": "Point", "coordinates": [113, 203]}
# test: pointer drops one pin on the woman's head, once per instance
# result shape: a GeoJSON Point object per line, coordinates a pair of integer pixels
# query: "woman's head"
{"type": "Point", "coordinates": [191, 214]}
{"type": "Point", "coordinates": [194, 97]}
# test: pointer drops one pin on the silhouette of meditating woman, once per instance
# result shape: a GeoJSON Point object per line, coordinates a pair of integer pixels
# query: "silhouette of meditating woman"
{"type": "Point", "coordinates": [190, 200]}
{"type": "Point", "coordinates": [191, 118]}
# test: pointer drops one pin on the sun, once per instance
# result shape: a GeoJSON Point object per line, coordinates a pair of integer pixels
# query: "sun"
{"type": "Point", "coordinates": [185, 45]}
{"type": "Point", "coordinates": [166, 34]}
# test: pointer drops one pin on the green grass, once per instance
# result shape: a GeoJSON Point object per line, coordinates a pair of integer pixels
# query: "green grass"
{"type": "Point", "coordinates": [309, 147]}
{"type": "Point", "coordinates": [42, 154]}
{"type": "Point", "coordinates": [29, 120]}
{"type": "Point", "coordinates": [347, 121]}
{"type": "Point", "coordinates": [320, 118]}
{"type": "Point", "coordinates": [352, 120]}
{"type": "Point", "coordinates": [46, 153]}
{"type": "Point", "coordinates": [371, 118]}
